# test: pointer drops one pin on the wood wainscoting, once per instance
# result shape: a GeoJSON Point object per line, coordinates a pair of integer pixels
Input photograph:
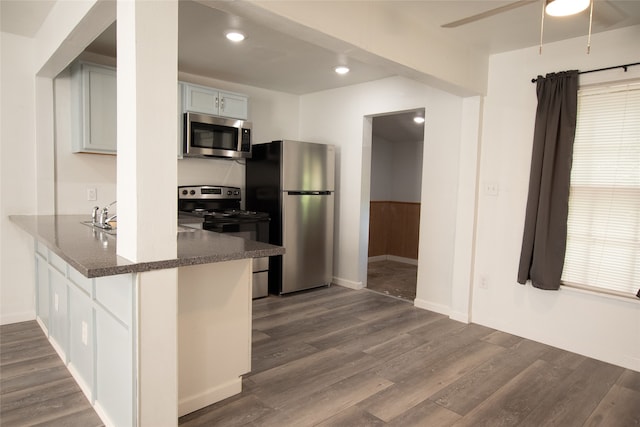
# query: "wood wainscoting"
{"type": "Point", "coordinates": [394, 229]}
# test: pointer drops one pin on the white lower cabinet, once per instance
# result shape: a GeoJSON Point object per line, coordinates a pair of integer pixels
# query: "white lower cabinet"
{"type": "Point", "coordinates": [58, 320]}
{"type": "Point", "coordinates": [114, 371]}
{"type": "Point", "coordinates": [42, 291]}
{"type": "Point", "coordinates": [91, 324]}
{"type": "Point", "coordinates": [81, 339]}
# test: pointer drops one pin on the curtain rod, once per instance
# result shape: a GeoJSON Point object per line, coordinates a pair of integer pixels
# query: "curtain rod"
{"type": "Point", "coordinates": [624, 66]}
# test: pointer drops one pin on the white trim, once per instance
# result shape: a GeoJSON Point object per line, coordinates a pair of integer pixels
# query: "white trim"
{"type": "Point", "coordinates": [58, 348]}
{"type": "Point", "coordinates": [427, 305]}
{"type": "Point", "coordinates": [402, 259]}
{"type": "Point", "coordinates": [215, 394]}
{"type": "Point", "coordinates": [86, 389]}
{"type": "Point", "coordinates": [348, 283]}
{"type": "Point", "coordinates": [103, 415]}
{"type": "Point", "coordinates": [460, 316]}
{"type": "Point", "coordinates": [6, 319]}
{"type": "Point", "coordinates": [43, 327]}
{"type": "Point", "coordinates": [393, 258]}
{"type": "Point", "coordinates": [602, 293]}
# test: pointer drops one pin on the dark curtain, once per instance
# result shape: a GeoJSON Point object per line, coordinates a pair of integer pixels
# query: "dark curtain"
{"type": "Point", "coordinates": [545, 229]}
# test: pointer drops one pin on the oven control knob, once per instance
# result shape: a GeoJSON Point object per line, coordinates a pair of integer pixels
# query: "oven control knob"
{"type": "Point", "coordinates": [192, 192]}
{"type": "Point", "coordinates": [236, 193]}
{"type": "Point", "coordinates": [229, 192]}
{"type": "Point", "coordinates": [185, 192]}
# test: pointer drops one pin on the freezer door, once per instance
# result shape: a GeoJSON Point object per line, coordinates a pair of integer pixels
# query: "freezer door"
{"type": "Point", "coordinates": [308, 166]}
{"type": "Point", "coordinates": [308, 239]}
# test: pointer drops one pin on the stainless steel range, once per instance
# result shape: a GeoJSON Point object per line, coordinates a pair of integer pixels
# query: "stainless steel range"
{"type": "Point", "coordinates": [218, 208]}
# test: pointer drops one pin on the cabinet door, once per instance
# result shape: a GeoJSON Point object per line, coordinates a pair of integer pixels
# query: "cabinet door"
{"type": "Point", "coordinates": [94, 92]}
{"type": "Point", "coordinates": [81, 338]}
{"type": "Point", "coordinates": [200, 99]}
{"type": "Point", "coordinates": [233, 105]}
{"type": "Point", "coordinates": [58, 320]}
{"type": "Point", "coordinates": [42, 290]}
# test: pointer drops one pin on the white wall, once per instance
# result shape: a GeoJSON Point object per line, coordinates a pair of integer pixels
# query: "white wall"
{"type": "Point", "coordinates": [76, 172]}
{"type": "Point", "coordinates": [407, 171]}
{"type": "Point", "coordinates": [338, 117]}
{"type": "Point", "coordinates": [17, 177]}
{"type": "Point", "coordinates": [381, 169]}
{"type": "Point", "coordinates": [396, 170]}
{"type": "Point", "coordinates": [603, 327]}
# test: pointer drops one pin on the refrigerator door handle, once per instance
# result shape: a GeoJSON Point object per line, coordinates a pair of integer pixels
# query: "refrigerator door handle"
{"type": "Point", "coordinates": [307, 193]}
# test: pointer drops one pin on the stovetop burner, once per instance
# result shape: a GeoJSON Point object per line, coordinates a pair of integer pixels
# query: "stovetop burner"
{"type": "Point", "coordinates": [234, 214]}
{"type": "Point", "coordinates": [215, 204]}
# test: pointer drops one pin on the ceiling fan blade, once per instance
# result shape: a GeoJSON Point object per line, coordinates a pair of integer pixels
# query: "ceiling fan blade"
{"type": "Point", "coordinates": [488, 13]}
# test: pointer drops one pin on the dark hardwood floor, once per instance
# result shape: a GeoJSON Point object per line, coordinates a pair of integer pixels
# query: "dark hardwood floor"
{"type": "Point", "coordinates": [338, 357]}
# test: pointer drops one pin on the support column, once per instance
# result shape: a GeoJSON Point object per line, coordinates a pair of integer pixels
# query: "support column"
{"type": "Point", "coordinates": [146, 189]}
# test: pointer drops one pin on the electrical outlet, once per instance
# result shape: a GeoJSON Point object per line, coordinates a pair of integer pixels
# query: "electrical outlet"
{"type": "Point", "coordinates": [492, 189]}
{"type": "Point", "coordinates": [92, 194]}
{"type": "Point", "coordinates": [85, 333]}
{"type": "Point", "coordinates": [484, 283]}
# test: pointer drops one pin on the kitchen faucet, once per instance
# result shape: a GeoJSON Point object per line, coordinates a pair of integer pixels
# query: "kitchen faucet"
{"type": "Point", "coordinates": [101, 218]}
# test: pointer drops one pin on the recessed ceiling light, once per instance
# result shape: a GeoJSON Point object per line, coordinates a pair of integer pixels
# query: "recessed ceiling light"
{"type": "Point", "coordinates": [235, 36]}
{"type": "Point", "coordinates": [341, 69]}
{"type": "Point", "coordinates": [418, 119]}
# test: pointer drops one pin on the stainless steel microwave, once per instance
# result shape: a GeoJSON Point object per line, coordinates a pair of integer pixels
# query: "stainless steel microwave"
{"type": "Point", "coordinates": [212, 136]}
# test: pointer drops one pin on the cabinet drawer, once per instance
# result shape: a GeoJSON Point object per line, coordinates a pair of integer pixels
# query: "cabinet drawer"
{"type": "Point", "coordinates": [81, 281]}
{"type": "Point", "coordinates": [58, 263]}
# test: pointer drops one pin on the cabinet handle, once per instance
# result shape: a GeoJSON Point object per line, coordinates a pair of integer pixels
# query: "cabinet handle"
{"type": "Point", "coordinates": [222, 104]}
{"type": "Point", "coordinates": [216, 102]}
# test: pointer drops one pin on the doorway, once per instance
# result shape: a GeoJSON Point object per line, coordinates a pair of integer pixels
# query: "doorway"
{"type": "Point", "coordinates": [397, 142]}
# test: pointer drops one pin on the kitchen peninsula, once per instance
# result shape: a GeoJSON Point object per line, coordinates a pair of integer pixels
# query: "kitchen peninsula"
{"type": "Point", "coordinates": [87, 304]}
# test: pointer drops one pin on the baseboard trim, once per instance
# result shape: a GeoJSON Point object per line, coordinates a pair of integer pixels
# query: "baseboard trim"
{"type": "Point", "coordinates": [392, 258]}
{"type": "Point", "coordinates": [402, 259]}
{"type": "Point", "coordinates": [427, 305]}
{"type": "Point", "coordinates": [9, 318]}
{"type": "Point", "coordinates": [460, 316]}
{"type": "Point", "coordinates": [348, 283]}
{"type": "Point", "coordinates": [208, 397]}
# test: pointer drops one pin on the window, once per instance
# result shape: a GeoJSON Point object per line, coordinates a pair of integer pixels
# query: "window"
{"type": "Point", "coordinates": [603, 239]}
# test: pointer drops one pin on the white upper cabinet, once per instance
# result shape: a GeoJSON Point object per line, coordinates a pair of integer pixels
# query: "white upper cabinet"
{"type": "Point", "coordinates": [93, 115]}
{"type": "Point", "coordinates": [201, 99]}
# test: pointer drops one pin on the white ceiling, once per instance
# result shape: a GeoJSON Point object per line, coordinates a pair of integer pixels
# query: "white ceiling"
{"type": "Point", "coordinates": [274, 60]}
{"type": "Point", "coordinates": [271, 59]}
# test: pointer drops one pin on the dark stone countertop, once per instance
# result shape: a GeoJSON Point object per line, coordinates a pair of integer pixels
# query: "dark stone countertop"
{"type": "Point", "coordinates": [93, 252]}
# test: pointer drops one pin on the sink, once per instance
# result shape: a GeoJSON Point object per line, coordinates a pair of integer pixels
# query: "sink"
{"type": "Point", "coordinates": [110, 230]}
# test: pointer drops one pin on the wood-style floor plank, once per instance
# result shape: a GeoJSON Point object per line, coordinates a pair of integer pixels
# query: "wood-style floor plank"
{"type": "Point", "coordinates": [35, 386]}
{"type": "Point", "coordinates": [339, 357]}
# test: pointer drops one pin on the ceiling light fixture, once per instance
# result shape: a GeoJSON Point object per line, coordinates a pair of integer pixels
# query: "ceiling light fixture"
{"type": "Point", "coordinates": [235, 36]}
{"type": "Point", "coordinates": [565, 7]}
{"type": "Point", "coordinates": [418, 119]}
{"type": "Point", "coordinates": [341, 69]}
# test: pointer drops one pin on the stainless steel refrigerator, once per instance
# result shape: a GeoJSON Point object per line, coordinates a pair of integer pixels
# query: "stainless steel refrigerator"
{"type": "Point", "coordinates": [294, 182]}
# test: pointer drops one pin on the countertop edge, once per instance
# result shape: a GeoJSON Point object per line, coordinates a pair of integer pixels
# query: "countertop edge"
{"type": "Point", "coordinates": [32, 225]}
